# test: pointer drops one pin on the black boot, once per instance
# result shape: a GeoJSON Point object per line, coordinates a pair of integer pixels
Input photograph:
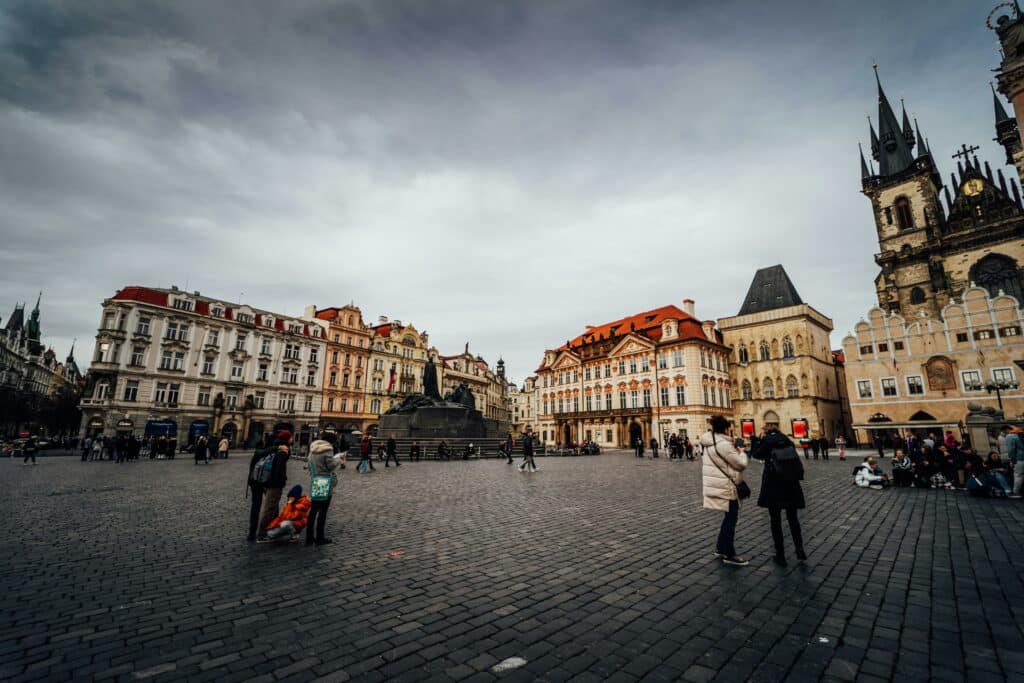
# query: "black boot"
{"type": "Point", "coordinates": [780, 560]}
{"type": "Point", "coordinates": [800, 554]}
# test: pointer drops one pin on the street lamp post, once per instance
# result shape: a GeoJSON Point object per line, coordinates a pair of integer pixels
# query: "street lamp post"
{"type": "Point", "coordinates": [999, 387]}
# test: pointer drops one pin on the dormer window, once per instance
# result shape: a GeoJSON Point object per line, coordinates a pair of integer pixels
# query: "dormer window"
{"type": "Point", "coordinates": [244, 318]}
{"type": "Point", "coordinates": [182, 304]}
{"type": "Point", "coordinates": [217, 312]}
{"type": "Point", "coordinates": [268, 321]}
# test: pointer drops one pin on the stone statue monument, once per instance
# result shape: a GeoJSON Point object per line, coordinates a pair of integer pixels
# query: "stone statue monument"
{"type": "Point", "coordinates": [430, 389]}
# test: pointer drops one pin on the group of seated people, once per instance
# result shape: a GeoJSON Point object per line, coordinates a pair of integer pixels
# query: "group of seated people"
{"type": "Point", "coordinates": [940, 468]}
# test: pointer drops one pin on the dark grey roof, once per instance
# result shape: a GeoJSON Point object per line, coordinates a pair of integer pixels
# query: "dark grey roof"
{"type": "Point", "coordinates": [16, 319]}
{"type": "Point", "coordinates": [770, 289]}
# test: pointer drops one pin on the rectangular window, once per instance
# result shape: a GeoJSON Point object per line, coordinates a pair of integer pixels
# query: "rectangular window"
{"type": "Point", "coordinates": [236, 370]}
{"type": "Point", "coordinates": [961, 337]}
{"type": "Point", "coordinates": [108, 321]}
{"type": "Point", "coordinates": [1010, 331]}
{"type": "Point", "coordinates": [634, 399]}
{"type": "Point", "coordinates": [607, 401]}
{"type": "Point", "coordinates": [290, 376]}
{"type": "Point", "coordinates": [131, 390]}
{"type": "Point", "coordinates": [262, 372]}
{"type": "Point", "coordinates": [143, 327]}
{"type": "Point", "coordinates": [311, 378]}
{"type": "Point", "coordinates": [632, 366]}
{"type": "Point", "coordinates": [344, 405]}
{"type": "Point", "coordinates": [138, 356]}
{"type": "Point", "coordinates": [588, 403]}
{"type": "Point", "coordinates": [622, 400]}
{"type": "Point", "coordinates": [232, 398]}
{"type": "Point", "coordinates": [576, 404]}
{"type": "Point", "coordinates": [172, 331]}
{"type": "Point", "coordinates": [680, 395]}
{"type": "Point", "coordinates": [314, 355]}
{"type": "Point", "coordinates": [160, 393]}
{"type": "Point", "coordinates": [179, 360]}
{"type": "Point", "coordinates": [888, 386]}
{"type": "Point", "coordinates": [664, 396]}
{"type": "Point", "coordinates": [212, 338]}
{"type": "Point", "coordinates": [608, 435]}
{"type": "Point", "coordinates": [867, 349]}
{"type": "Point", "coordinates": [864, 388]}
{"type": "Point", "coordinates": [586, 373]}
{"type": "Point", "coordinates": [622, 367]}
{"type": "Point", "coordinates": [244, 318]}
{"type": "Point", "coordinates": [915, 387]}
{"type": "Point", "coordinates": [706, 401]}
{"type": "Point", "coordinates": [240, 342]}
{"type": "Point", "coordinates": [575, 376]}
{"type": "Point", "coordinates": [645, 364]}
{"type": "Point", "coordinates": [1002, 376]}
{"type": "Point", "coordinates": [172, 394]}
{"type": "Point", "coordinates": [259, 399]}
{"type": "Point", "coordinates": [359, 381]}
{"type": "Point", "coordinates": [647, 398]}
{"type": "Point", "coordinates": [883, 347]}
{"type": "Point", "coordinates": [677, 358]}
{"type": "Point", "coordinates": [662, 361]}
{"type": "Point", "coordinates": [971, 380]}
{"type": "Point", "coordinates": [355, 406]}
{"type": "Point", "coordinates": [208, 362]}
{"type": "Point", "coordinates": [897, 346]}
{"type": "Point", "coordinates": [561, 406]}
{"type": "Point", "coordinates": [607, 369]}
{"type": "Point", "coordinates": [203, 396]}
{"type": "Point", "coordinates": [265, 347]}
{"type": "Point", "coordinates": [307, 405]}
{"type": "Point", "coordinates": [182, 305]}
{"type": "Point", "coordinates": [334, 379]}
{"type": "Point", "coordinates": [166, 358]}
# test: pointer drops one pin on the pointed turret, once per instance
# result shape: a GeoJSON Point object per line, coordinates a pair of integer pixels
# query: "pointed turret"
{"type": "Point", "coordinates": [908, 132]}
{"type": "Point", "coordinates": [1001, 114]}
{"type": "Point", "coordinates": [922, 144]}
{"type": "Point", "coordinates": [1006, 128]}
{"type": "Point", "coordinates": [894, 151]}
{"type": "Point", "coordinates": [863, 164]}
{"type": "Point", "coordinates": [874, 140]}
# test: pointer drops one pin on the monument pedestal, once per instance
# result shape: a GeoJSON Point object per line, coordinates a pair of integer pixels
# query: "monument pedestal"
{"type": "Point", "coordinates": [445, 422]}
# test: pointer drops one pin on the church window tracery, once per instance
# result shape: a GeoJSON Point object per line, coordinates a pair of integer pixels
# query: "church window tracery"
{"type": "Point", "coordinates": [917, 295]}
{"type": "Point", "coordinates": [747, 391]}
{"type": "Point", "coordinates": [998, 272]}
{"type": "Point", "coordinates": [768, 389]}
{"type": "Point", "coordinates": [744, 357]}
{"type": "Point", "coordinates": [787, 348]}
{"type": "Point", "coordinates": [765, 353]}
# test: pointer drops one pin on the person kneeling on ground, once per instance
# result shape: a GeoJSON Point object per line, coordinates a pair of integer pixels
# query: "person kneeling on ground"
{"type": "Point", "coordinates": [292, 519]}
{"type": "Point", "coordinates": [865, 476]}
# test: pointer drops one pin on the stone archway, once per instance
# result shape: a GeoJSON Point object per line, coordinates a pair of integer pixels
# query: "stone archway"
{"type": "Point", "coordinates": [567, 434]}
{"type": "Point", "coordinates": [636, 433]}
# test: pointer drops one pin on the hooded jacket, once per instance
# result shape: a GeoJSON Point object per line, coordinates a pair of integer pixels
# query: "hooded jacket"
{"type": "Point", "coordinates": [720, 485]}
{"type": "Point", "coordinates": [323, 461]}
{"type": "Point", "coordinates": [865, 476]}
{"type": "Point", "coordinates": [296, 512]}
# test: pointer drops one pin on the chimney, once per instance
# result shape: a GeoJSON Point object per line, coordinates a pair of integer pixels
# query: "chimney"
{"type": "Point", "coordinates": [709, 329]}
{"type": "Point", "coordinates": [689, 308]}
{"type": "Point", "coordinates": [309, 312]}
{"type": "Point", "coordinates": [382, 320]}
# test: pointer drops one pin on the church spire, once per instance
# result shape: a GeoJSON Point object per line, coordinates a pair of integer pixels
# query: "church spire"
{"type": "Point", "coordinates": [908, 132]}
{"type": "Point", "coordinates": [1001, 114]}
{"type": "Point", "coordinates": [894, 150]}
{"type": "Point", "coordinates": [874, 140]}
{"type": "Point", "coordinates": [863, 164]}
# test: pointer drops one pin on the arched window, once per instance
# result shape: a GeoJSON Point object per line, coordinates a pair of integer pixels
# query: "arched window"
{"type": "Point", "coordinates": [903, 216]}
{"type": "Point", "coordinates": [787, 347]}
{"type": "Point", "coordinates": [744, 358]}
{"type": "Point", "coordinates": [748, 393]}
{"type": "Point", "coordinates": [997, 272]}
{"type": "Point", "coordinates": [792, 387]}
{"type": "Point", "coordinates": [765, 354]}
{"type": "Point", "coordinates": [768, 389]}
{"type": "Point", "coordinates": [917, 295]}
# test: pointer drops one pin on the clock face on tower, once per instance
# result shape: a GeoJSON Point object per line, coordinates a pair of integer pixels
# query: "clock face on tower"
{"type": "Point", "coordinates": [973, 187]}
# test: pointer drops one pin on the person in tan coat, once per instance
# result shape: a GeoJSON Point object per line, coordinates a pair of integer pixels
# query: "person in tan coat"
{"type": "Point", "coordinates": [721, 473]}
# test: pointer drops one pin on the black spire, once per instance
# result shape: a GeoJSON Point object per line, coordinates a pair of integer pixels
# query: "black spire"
{"type": "Point", "coordinates": [894, 150]}
{"type": "Point", "coordinates": [922, 144]}
{"type": "Point", "coordinates": [1001, 114]}
{"type": "Point", "coordinates": [908, 132]}
{"type": "Point", "coordinates": [771, 288]}
{"type": "Point", "coordinates": [874, 140]}
{"type": "Point", "coordinates": [863, 164]}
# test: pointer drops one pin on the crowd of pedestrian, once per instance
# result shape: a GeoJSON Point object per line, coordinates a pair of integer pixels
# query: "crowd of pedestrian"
{"type": "Point", "coordinates": [932, 463]}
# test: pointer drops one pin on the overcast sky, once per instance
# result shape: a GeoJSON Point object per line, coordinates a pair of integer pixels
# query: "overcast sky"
{"type": "Point", "coordinates": [502, 173]}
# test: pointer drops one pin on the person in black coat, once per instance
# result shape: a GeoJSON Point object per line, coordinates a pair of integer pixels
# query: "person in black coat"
{"type": "Point", "coordinates": [778, 494]}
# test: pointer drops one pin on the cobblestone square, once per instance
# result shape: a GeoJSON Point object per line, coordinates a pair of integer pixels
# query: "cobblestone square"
{"type": "Point", "coordinates": [593, 568]}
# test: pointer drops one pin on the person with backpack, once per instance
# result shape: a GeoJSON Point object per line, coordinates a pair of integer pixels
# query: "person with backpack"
{"type": "Point", "coordinates": [780, 489]}
{"type": "Point", "coordinates": [268, 473]}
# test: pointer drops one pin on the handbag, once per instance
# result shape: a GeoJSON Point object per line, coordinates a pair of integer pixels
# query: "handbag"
{"type": "Point", "coordinates": [319, 486]}
{"type": "Point", "coordinates": [742, 490]}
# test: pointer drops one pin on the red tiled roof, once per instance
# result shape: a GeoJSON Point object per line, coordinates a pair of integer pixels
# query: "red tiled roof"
{"type": "Point", "coordinates": [839, 356]}
{"type": "Point", "coordinates": [647, 324]}
{"type": "Point", "coordinates": [143, 294]}
{"type": "Point", "coordinates": [383, 330]}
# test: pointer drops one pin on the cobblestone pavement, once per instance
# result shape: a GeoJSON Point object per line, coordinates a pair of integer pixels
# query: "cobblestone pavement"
{"type": "Point", "coordinates": [592, 568]}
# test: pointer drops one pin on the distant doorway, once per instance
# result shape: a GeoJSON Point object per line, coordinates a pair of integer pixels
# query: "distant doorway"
{"type": "Point", "coordinates": [568, 435]}
{"type": "Point", "coordinates": [635, 434]}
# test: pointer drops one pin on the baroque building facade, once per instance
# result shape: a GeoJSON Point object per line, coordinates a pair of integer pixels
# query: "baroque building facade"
{"type": "Point", "coordinates": [489, 386]}
{"type": "Point", "coordinates": [179, 364]}
{"type": "Point", "coordinates": [656, 372]}
{"type": "Point", "coordinates": [782, 364]}
{"type": "Point", "coordinates": [920, 373]}
{"type": "Point", "coordinates": [398, 353]}
{"type": "Point", "coordinates": [345, 405]}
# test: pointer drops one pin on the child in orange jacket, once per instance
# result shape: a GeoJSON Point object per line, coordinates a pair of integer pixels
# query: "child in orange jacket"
{"type": "Point", "coordinates": [287, 526]}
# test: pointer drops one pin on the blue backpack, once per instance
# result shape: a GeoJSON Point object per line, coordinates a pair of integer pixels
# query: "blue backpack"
{"type": "Point", "coordinates": [263, 469]}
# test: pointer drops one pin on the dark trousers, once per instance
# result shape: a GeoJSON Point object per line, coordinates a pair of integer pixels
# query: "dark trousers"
{"type": "Point", "coordinates": [254, 511]}
{"type": "Point", "coordinates": [317, 517]}
{"type": "Point", "coordinates": [794, 529]}
{"type": "Point", "coordinates": [389, 458]}
{"type": "Point", "coordinates": [727, 533]}
{"type": "Point", "coordinates": [29, 455]}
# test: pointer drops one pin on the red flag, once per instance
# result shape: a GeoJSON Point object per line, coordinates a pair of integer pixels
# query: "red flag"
{"type": "Point", "coordinates": [391, 379]}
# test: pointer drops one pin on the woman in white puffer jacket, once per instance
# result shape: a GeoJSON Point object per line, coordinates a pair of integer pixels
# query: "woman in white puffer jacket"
{"type": "Point", "coordinates": [722, 472]}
